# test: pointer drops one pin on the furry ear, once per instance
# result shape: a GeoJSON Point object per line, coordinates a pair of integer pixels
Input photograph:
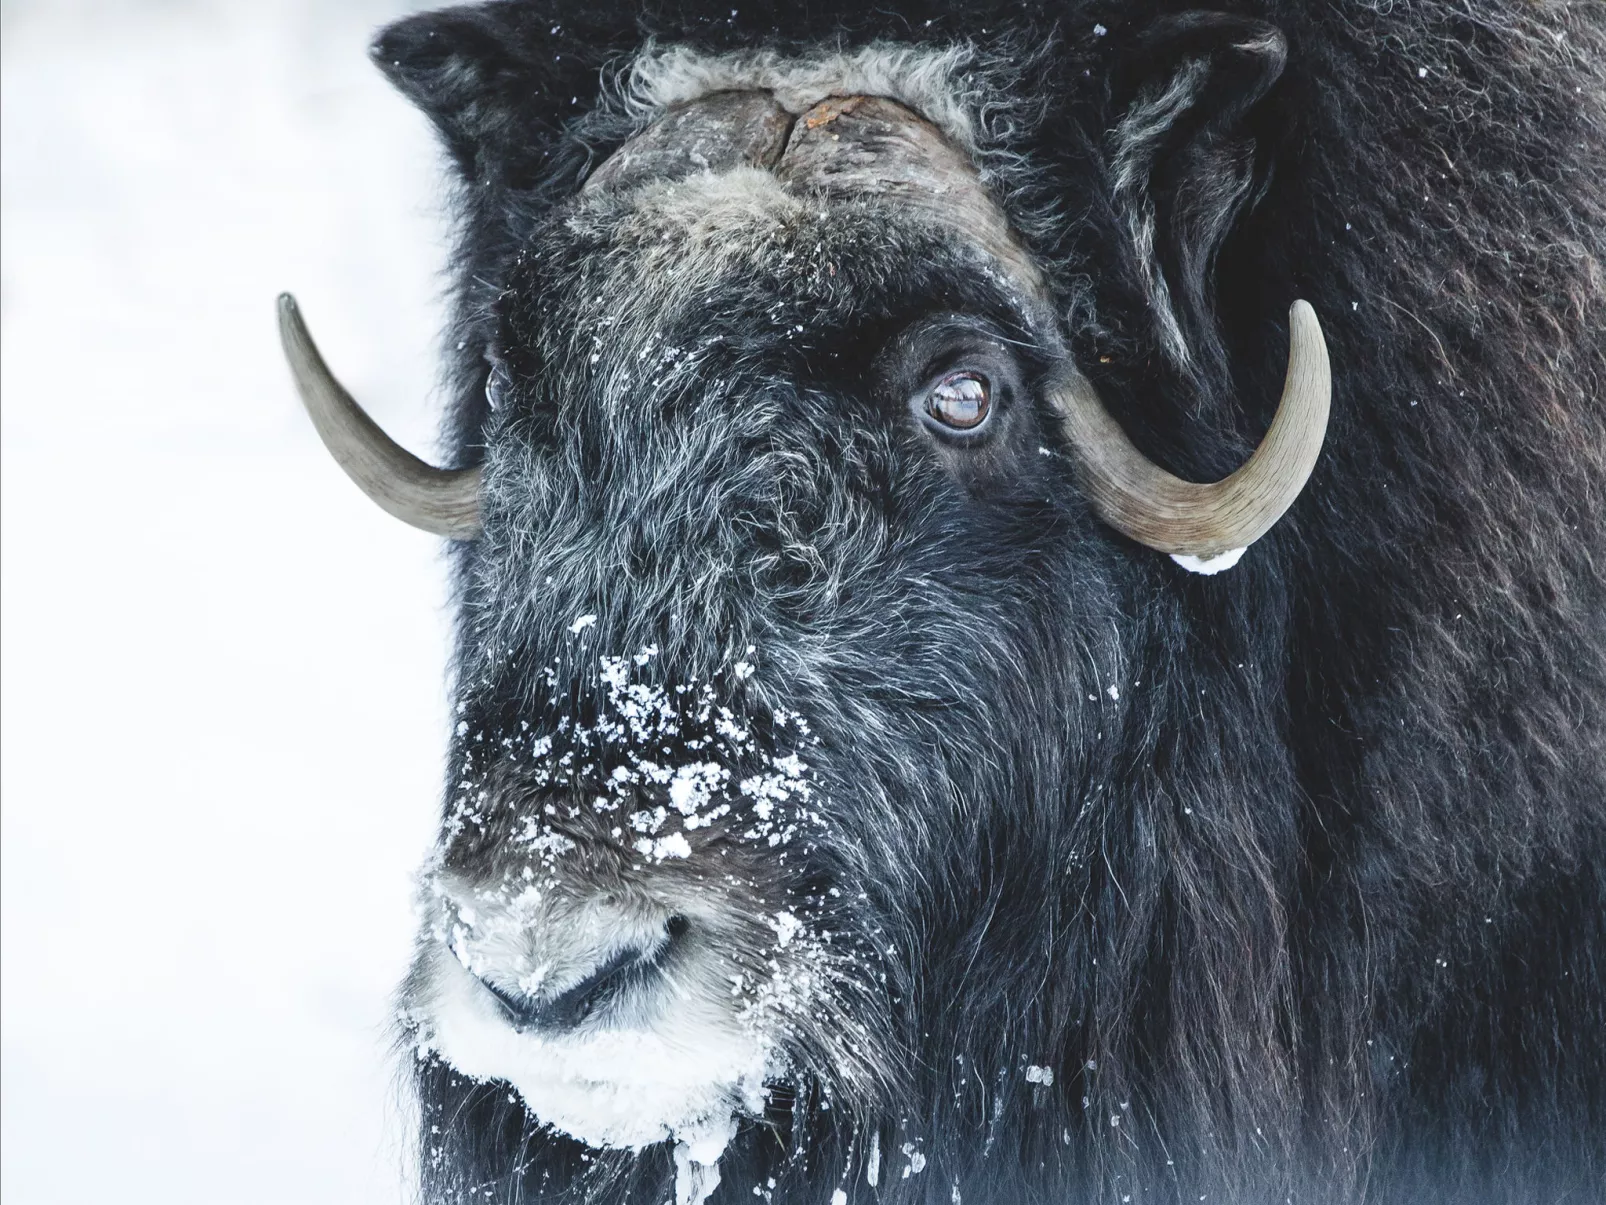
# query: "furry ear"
{"type": "Point", "coordinates": [501, 80]}
{"type": "Point", "coordinates": [1185, 160]}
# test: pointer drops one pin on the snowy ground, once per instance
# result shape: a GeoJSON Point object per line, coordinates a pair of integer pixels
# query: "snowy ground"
{"type": "Point", "coordinates": [223, 704]}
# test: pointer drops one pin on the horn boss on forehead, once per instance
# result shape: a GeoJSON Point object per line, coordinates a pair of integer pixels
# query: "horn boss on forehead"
{"type": "Point", "coordinates": [866, 146]}
{"type": "Point", "coordinates": [713, 134]}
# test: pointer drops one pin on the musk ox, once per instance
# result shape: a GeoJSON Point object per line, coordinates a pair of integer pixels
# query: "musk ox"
{"type": "Point", "coordinates": [851, 800]}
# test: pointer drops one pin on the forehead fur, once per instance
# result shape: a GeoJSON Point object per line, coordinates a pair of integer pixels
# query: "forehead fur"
{"type": "Point", "coordinates": [719, 219]}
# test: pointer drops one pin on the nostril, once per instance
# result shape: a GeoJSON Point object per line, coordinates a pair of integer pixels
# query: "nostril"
{"type": "Point", "coordinates": [570, 1008]}
{"type": "Point", "coordinates": [619, 975]}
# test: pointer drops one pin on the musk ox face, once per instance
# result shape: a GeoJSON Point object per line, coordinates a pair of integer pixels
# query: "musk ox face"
{"type": "Point", "coordinates": [790, 644]}
{"type": "Point", "coordinates": [709, 733]}
{"type": "Point", "coordinates": [840, 807]}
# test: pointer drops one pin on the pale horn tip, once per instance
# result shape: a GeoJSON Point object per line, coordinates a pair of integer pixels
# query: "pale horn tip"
{"type": "Point", "coordinates": [293, 334]}
{"type": "Point", "coordinates": [1304, 327]}
{"type": "Point", "coordinates": [444, 502]}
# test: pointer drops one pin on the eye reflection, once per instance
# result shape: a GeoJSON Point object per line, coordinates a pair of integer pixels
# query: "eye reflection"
{"type": "Point", "coordinates": [960, 400]}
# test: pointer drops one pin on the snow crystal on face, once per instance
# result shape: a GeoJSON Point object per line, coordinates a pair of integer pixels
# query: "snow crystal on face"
{"type": "Point", "coordinates": [581, 623]}
{"type": "Point", "coordinates": [694, 1182]}
{"type": "Point", "coordinates": [615, 672]}
{"type": "Point", "coordinates": [917, 1161]}
{"type": "Point", "coordinates": [634, 735]}
{"type": "Point", "coordinates": [1212, 565]}
{"type": "Point", "coordinates": [692, 786]}
{"type": "Point", "coordinates": [697, 1152]}
{"type": "Point", "coordinates": [1040, 1075]}
{"type": "Point", "coordinates": [673, 846]}
{"type": "Point", "coordinates": [786, 927]}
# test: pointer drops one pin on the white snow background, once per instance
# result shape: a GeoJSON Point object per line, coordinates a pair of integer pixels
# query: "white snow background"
{"type": "Point", "coordinates": [223, 669]}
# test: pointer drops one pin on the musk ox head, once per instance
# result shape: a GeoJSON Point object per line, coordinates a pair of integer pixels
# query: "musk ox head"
{"type": "Point", "coordinates": [790, 658]}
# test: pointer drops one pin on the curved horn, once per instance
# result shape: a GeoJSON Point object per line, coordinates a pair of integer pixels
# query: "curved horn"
{"type": "Point", "coordinates": [1140, 499]}
{"type": "Point", "coordinates": [445, 502]}
{"type": "Point", "coordinates": [870, 145]}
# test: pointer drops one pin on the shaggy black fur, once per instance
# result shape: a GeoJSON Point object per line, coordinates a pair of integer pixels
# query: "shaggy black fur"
{"type": "Point", "coordinates": [1314, 909]}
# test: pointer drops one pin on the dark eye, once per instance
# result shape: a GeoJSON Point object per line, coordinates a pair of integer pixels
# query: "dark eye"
{"type": "Point", "coordinates": [960, 401]}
